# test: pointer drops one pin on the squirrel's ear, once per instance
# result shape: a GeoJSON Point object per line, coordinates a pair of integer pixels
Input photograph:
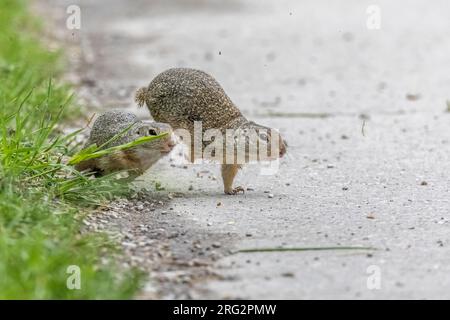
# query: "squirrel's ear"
{"type": "Point", "coordinates": [141, 96]}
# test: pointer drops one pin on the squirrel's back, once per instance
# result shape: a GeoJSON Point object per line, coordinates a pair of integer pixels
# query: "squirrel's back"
{"type": "Point", "coordinates": [180, 96]}
{"type": "Point", "coordinates": [109, 124]}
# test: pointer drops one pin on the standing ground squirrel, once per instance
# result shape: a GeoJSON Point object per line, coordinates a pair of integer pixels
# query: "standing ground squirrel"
{"type": "Point", "coordinates": [183, 96]}
{"type": "Point", "coordinates": [136, 159]}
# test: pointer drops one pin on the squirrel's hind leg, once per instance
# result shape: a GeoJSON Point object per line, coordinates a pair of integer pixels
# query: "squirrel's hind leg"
{"type": "Point", "coordinates": [229, 172]}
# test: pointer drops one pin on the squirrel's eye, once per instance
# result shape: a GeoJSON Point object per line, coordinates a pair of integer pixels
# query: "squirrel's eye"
{"type": "Point", "coordinates": [152, 132]}
{"type": "Point", "coordinates": [263, 136]}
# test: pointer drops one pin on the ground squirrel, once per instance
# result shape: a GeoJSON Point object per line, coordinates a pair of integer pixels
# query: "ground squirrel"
{"type": "Point", "coordinates": [136, 159]}
{"type": "Point", "coordinates": [183, 96]}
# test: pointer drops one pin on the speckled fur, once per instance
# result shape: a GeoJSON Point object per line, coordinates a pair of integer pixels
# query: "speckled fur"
{"type": "Point", "coordinates": [110, 124]}
{"type": "Point", "coordinates": [181, 96]}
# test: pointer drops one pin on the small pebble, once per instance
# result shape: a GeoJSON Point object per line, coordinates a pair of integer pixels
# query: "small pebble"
{"type": "Point", "coordinates": [288, 275]}
{"type": "Point", "coordinates": [129, 244]}
{"type": "Point", "coordinates": [412, 97]}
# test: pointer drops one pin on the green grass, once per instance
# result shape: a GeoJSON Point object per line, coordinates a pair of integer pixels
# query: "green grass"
{"type": "Point", "coordinates": [42, 199]}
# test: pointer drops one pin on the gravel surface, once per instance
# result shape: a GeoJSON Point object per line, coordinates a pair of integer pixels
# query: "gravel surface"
{"type": "Point", "coordinates": [363, 112]}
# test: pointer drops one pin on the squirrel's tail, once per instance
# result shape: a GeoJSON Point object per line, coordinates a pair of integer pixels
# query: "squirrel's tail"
{"type": "Point", "coordinates": [141, 96]}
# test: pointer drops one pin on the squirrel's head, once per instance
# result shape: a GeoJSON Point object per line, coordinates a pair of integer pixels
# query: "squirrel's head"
{"type": "Point", "coordinates": [115, 128]}
{"type": "Point", "coordinates": [147, 128]}
{"type": "Point", "coordinates": [261, 143]}
{"type": "Point", "coordinates": [118, 127]}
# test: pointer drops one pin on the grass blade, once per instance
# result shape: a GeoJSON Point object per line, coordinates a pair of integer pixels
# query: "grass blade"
{"type": "Point", "coordinates": [302, 249]}
{"type": "Point", "coordinates": [93, 151]}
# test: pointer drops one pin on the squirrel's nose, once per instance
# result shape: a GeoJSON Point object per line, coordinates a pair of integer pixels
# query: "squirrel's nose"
{"type": "Point", "coordinates": [168, 145]}
{"type": "Point", "coordinates": [171, 140]}
{"type": "Point", "coordinates": [171, 143]}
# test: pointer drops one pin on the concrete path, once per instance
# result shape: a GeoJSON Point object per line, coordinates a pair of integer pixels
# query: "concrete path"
{"type": "Point", "coordinates": [363, 111]}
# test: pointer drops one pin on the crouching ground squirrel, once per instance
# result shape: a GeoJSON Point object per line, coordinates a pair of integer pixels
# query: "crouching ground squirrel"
{"type": "Point", "coordinates": [136, 159]}
{"type": "Point", "coordinates": [184, 97]}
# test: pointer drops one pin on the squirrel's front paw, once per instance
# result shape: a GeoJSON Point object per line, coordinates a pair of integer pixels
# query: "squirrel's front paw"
{"type": "Point", "coordinates": [235, 191]}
